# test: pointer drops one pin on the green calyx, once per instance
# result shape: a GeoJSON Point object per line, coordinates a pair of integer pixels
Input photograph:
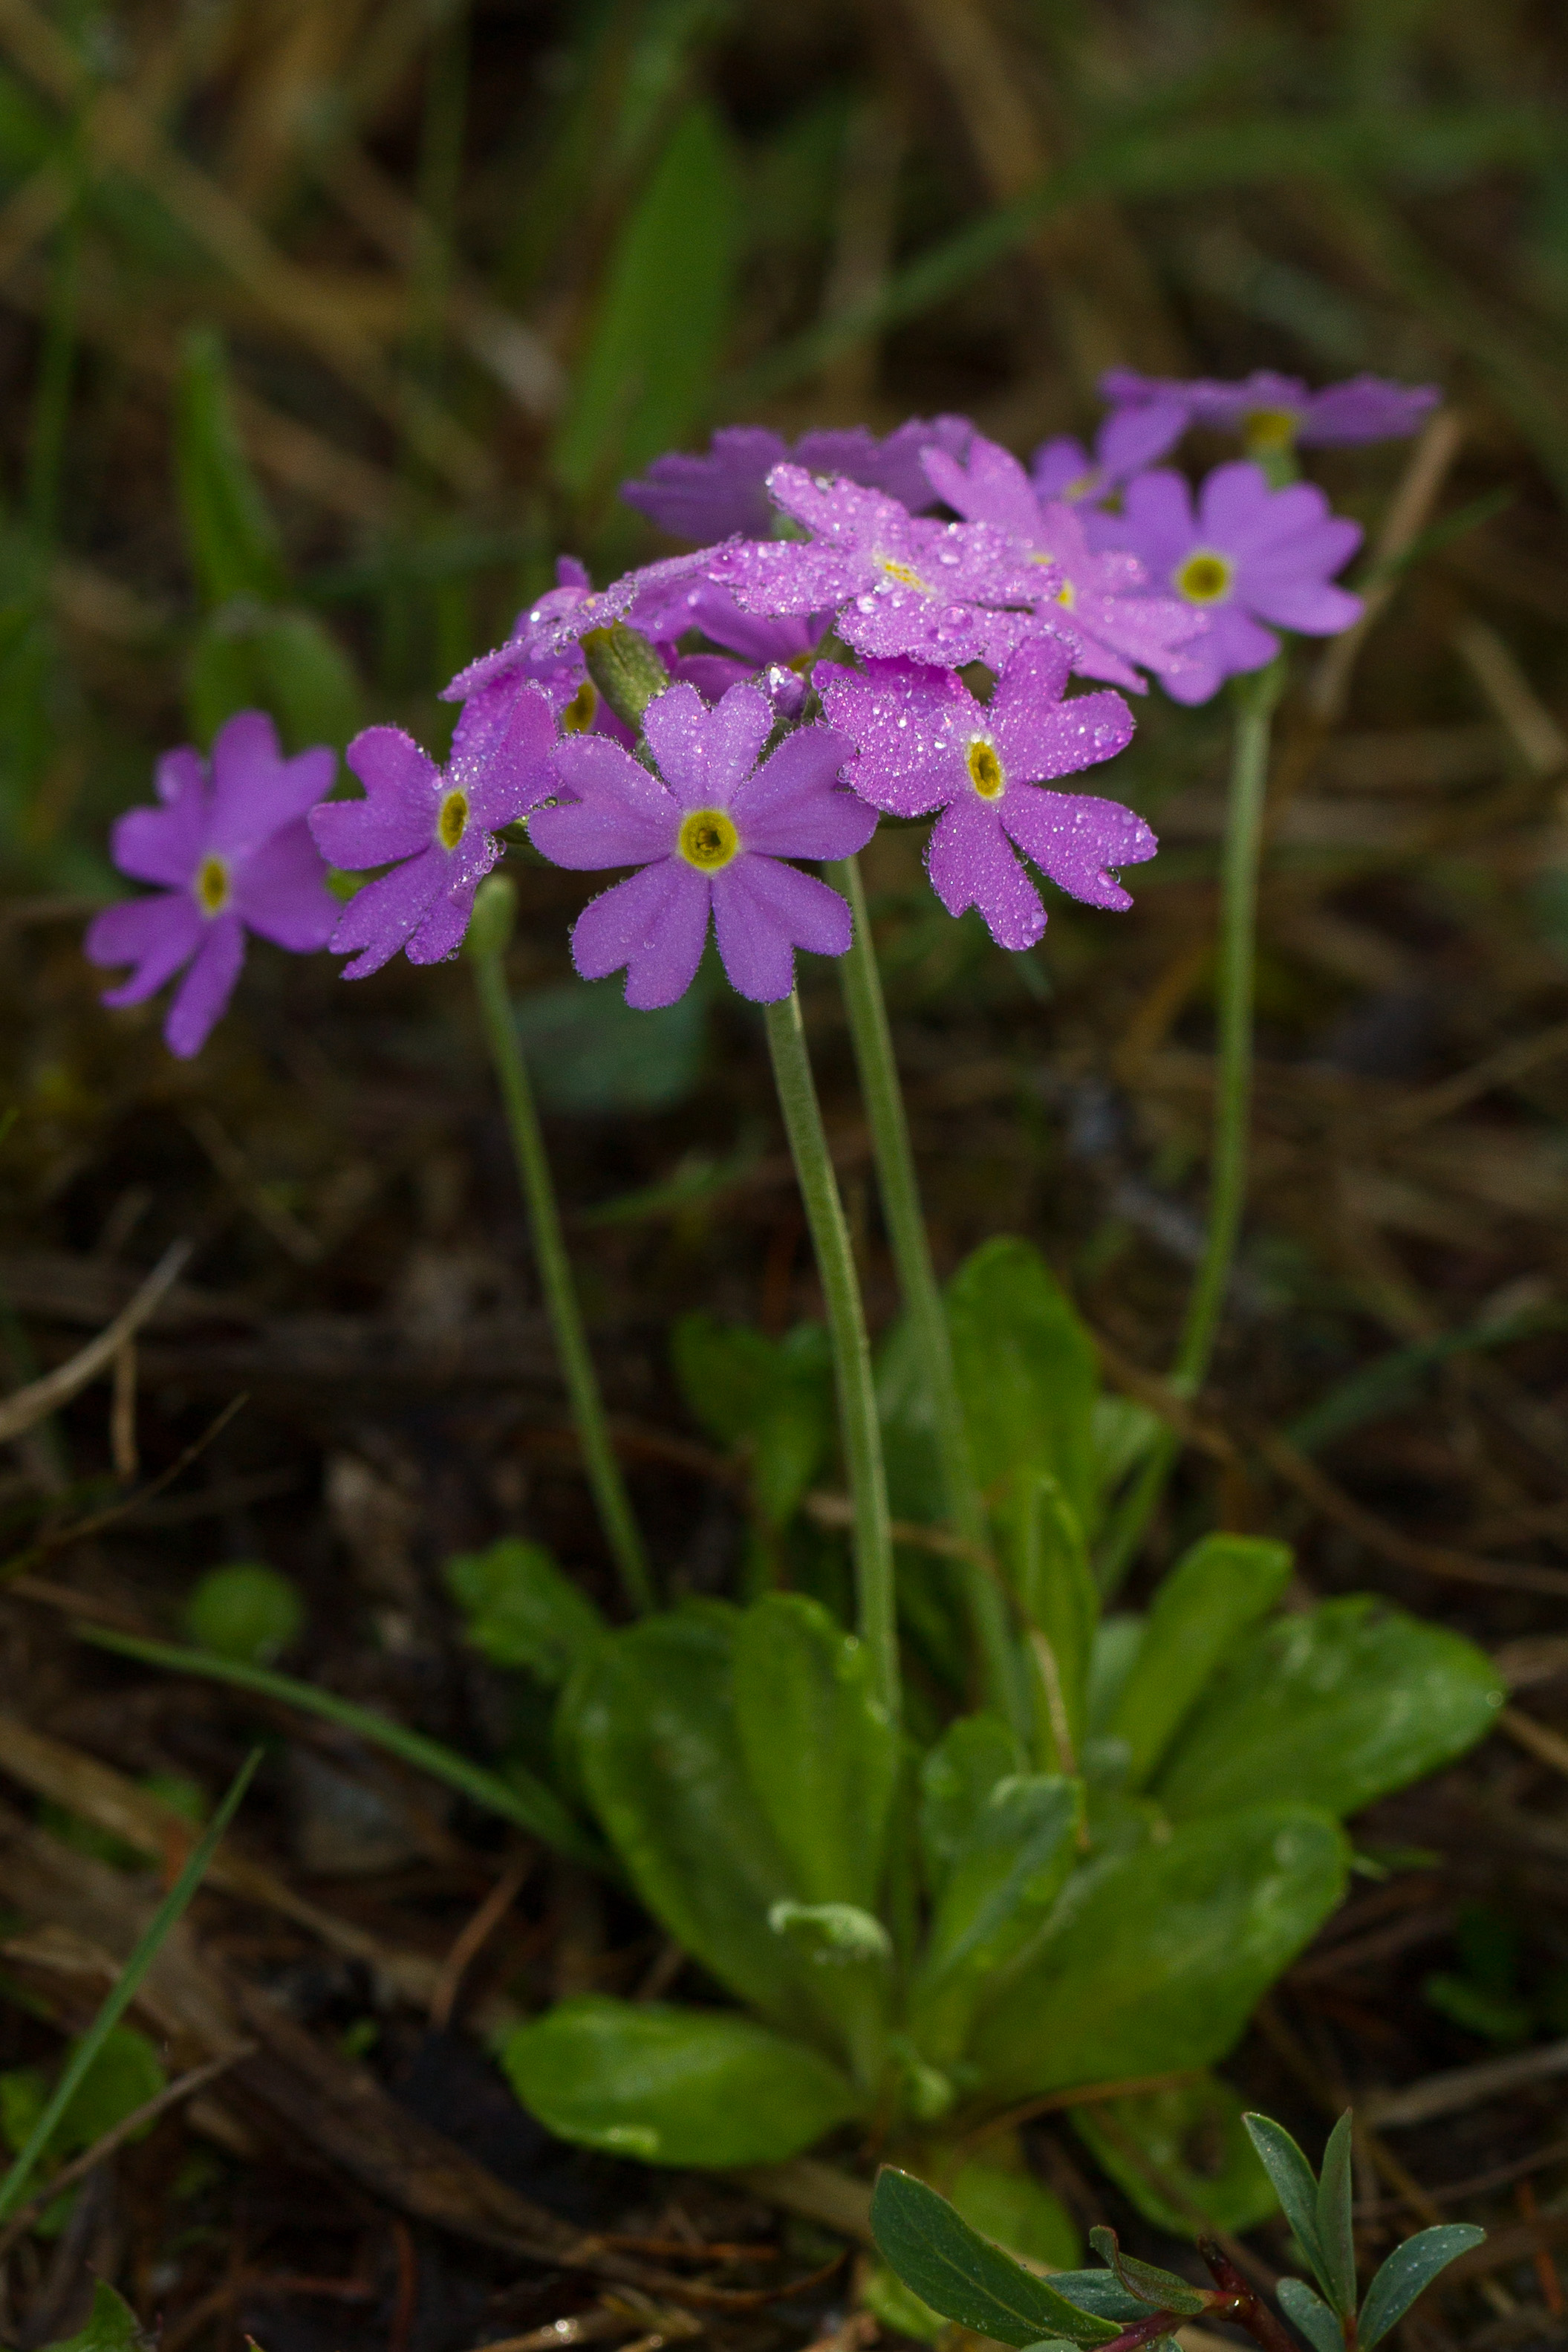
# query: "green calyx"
{"type": "Point", "coordinates": [625, 669]}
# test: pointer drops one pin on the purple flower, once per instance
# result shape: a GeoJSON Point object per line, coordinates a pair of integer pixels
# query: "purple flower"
{"type": "Point", "coordinates": [1249, 554]}
{"type": "Point", "coordinates": [230, 846]}
{"type": "Point", "coordinates": [1273, 411]}
{"type": "Point", "coordinates": [438, 823]}
{"type": "Point", "coordinates": [1116, 625]}
{"type": "Point", "coordinates": [710, 829]}
{"type": "Point", "coordinates": [924, 744]}
{"type": "Point", "coordinates": [1131, 437]}
{"type": "Point", "coordinates": [544, 646]}
{"type": "Point", "coordinates": [725, 490]}
{"type": "Point", "coordinates": [936, 591]}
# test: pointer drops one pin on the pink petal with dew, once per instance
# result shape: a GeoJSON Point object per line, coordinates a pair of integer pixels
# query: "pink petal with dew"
{"type": "Point", "coordinates": [203, 996]}
{"type": "Point", "coordinates": [1074, 837]}
{"type": "Point", "coordinates": [911, 724]}
{"type": "Point", "coordinates": [655, 924]}
{"type": "Point", "coordinates": [501, 755]}
{"type": "Point", "coordinates": [397, 816]}
{"type": "Point", "coordinates": [992, 486]}
{"type": "Point", "coordinates": [784, 577]}
{"type": "Point", "coordinates": [763, 910]}
{"type": "Point", "coordinates": [621, 816]}
{"type": "Point", "coordinates": [971, 863]}
{"type": "Point", "coordinates": [1234, 642]}
{"type": "Point", "coordinates": [381, 917]}
{"type": "Point", "coordinates": [443, 930]}
{"type": "Point", "coordinates": [703, 755]}
{"type": "Point", "coordinates": [256, 790]}
{"type": "Point", "coordinates": [794, 806]}
{"type": "Point", "coordinates": [157, 935]}
{"type": "Point", "coordinates": [280, 891]}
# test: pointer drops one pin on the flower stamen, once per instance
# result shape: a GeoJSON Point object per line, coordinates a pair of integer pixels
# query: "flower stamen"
{"type": "Point", "coordinates": [707, 839]}
{"type": "Point", "coordinates": [581, 711]}
{"type": "Point", "coordinates": [906, 573]}
{"type": "Point", "coordinates": [1204, 578]}
{"type": "Point", "coordinates": [211, 884]}
{"type": "Point", "coordinates": [986, 770]}
{"type": "Point", "coordinates": [1265, 429]}
{"type": "Point", "coordinates": [453, 822]}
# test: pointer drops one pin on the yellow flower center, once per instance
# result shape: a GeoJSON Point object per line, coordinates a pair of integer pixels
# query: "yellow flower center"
{"type": "Point", "coordinates": [986, 770]}
{"type": "Point", "coordinates": [453, 822]}
{"type": "Point", "coordinates": [911, 578]}
{"type": "Point", "coordinates": [1205, 577]}
{"type": "Point", "coordinates": [1269, 428]}
{"type": "Point", "coordinates": [1067, 595]}
{"type": "Point", "coordinates": [581, 711]}
{"type": "Point", "coordinates": [212, 885]}
{"type": "Point", "coordinates": [708, 839]}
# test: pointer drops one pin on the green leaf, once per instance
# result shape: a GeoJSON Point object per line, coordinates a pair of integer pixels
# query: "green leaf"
{"type": "Point", "coordinates": [248, 656]}
{"type": "Point", "coordinates": [112, 2325]}
{"type": "Point", "coordinates": [1101, 2292]}
{"type": "Point", "coordinates": [1335, 2218]}
{"type": "Point", "coordinates": [233, 539]}
{"type": "Point", "coordinates": [1057, 1592]}
{"type": "Point", "coordinates": [660, 1747]}
{"type": "Point", "coordinates": [965, 2276]}
{"type": "Point", "coordinates": [672, 2086]}
{"type": "Point", "coordinates": [775, 1396]}
{"type": "Point", "coordinates": [1410, 2268]}
{"type": "Point", "coordinates": [245, 1610]}
{"type": "Point", "coordinates": [1155, 2289]}
{"type": "Point", "coordinates": [999, 1889]}
{"type": "Point", "coordinates": [591, 1052]}
{"type": "Point", "coordinates": [1027, 1372]}
{"type": "Point", "coordinates": [124, 2076]}
{"type": "Point", "coordinates": [956, 1778]}
{"type": "Point", "coordinates": [1295, 2183]}
{"type": "Point", "coordinates": [821, 1756]}
{"type": "Point", "coordinates": [1007, 2203]}
{"type": "Point", "coordinates": [1153, 1959]}
{"type": "Point", "coordinates": [1124, 1432]}
{"type": "Point", "coordinates": [1310, 2314]}
{"type": "Point", "coordinates": [1214, 1593]}
{"type": "Point", "coordinates": [1333, 1708]}
{"type": "Point", "coordinates": [647, 372]}
{"type": "Point", "coordinates": [522, 1612]}
{"type": "Point", "coordinates": [1182, 2155]}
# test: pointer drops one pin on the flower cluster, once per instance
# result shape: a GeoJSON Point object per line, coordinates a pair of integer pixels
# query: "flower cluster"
{"type": "Point", "coordinates": [865, 627]}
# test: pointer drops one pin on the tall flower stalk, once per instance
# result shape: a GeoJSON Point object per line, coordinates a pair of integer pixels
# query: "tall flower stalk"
{"type": "Point", "coordinates": [859, 1428]}
{"type": "Point", "coordinates": [906, 1221]}
{"type": "Point", "coordinates": [489, 934]}
{"type": "Point", "coordinates": [1255, 695]}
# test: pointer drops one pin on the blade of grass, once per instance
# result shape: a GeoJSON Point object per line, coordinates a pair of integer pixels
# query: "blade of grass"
{"type": "Point", "coordinates": [124, 1989]}
{"type": "Point", "coordinates": [522, 1800]}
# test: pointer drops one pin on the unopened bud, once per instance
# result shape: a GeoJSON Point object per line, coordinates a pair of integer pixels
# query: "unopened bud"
{"type": "Point", "coordinates": [626, 670]}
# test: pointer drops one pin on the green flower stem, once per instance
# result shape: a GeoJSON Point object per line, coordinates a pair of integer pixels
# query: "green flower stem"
{"type": "Point", "coordinates": [1255, 696]}
{"type": "Point", "coordinates": [859, 1427]}
{"type": "Point", "coordinates": [900, 1190]}
{"type": "Point", "coordinates": [614, 1508]}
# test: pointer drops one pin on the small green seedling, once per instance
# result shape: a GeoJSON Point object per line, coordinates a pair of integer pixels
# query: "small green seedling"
{"type": "Point", "coordinates": [1319, 2212]}
{"type": "Point", "coordinates": [964, 2276]}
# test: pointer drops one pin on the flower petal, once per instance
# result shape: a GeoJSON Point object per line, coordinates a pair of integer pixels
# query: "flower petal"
{"type": "Point", "coordinates": [655, 924]}
{"type": "Point", "coordinates": [763, 910]}
{"type": "Point", "coordinates": [621, 816]}
{"type": "Point", "coordinates": [703, 755]}
{"type": "Point", "coordinates": [397, 816]}
{"type": "Point", "coordinates": [1233, 642]}
{"type": "Point", "coordinates": [280, 891]}
{"type": "Point", "coordinates": [442, 931]}
{"type": "Point", "coordinates": [1039, 736]}
{"type": "Point", "coordinates": [1074, 837]}
{"type": "Point", "coordinates": [165, 844]}
{"type": "Point", "coordinates": [203, 994]}
{"type": "Point", "coordinates": [157, 935]}
{"type": "Point", "coordinates": [794, 806]}
{"type": "Point", "coordinates": [256, 790]}
{"type": "Point", "coordinates": [381, 917]}
{"type": "Point", "coordinates": [990, 487]}
{"type": "Point", "coordinates": [911, 725]}
{"type": "Point", "coordinates": [501, 755]}
{"type": "Point", "coordinates": [971, 864]}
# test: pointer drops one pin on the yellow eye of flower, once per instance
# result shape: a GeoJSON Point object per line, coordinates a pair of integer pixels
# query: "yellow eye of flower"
{"type": "Point", "coordinates": [581, 711]}
{"type": "Point", "coordinates": [1269, 428]}
{"type": "Point", "coordinates": [986, 770]}
{"type": "Point", "coordinates": [212, 885]}
{"type": "Point", "coordinates": [896, 571]}
{"type": "Point", "coordinates": [453, 822]}
{"type": "Point", "coordinates": [708, 839]}
{"type": "Point", "coordinates": [1205, 577]}
{"type": "Point", "coordinates": [1067, 595]}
